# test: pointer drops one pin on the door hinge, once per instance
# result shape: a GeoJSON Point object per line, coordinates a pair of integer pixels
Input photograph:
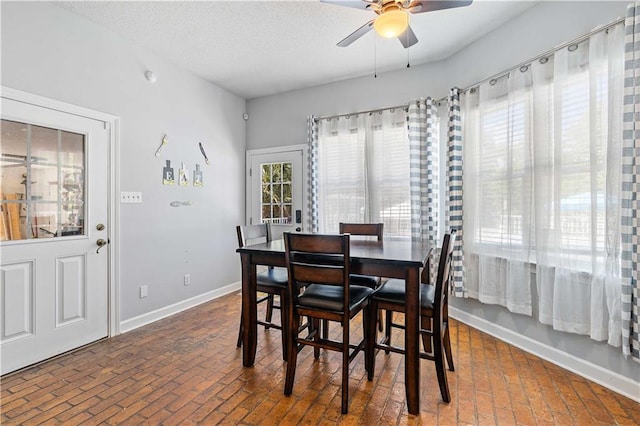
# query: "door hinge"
{"type": "Point", "coordinates": [250, 172]}
{"type": "Point", "coordinates": [250, 221]}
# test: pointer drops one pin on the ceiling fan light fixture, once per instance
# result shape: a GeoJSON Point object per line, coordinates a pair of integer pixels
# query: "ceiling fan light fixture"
{"type": "Point", "coordinates": [391, 23]}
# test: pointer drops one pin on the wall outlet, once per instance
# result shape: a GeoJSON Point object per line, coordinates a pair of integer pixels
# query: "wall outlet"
{"type": "Point", "coordinates": [131, 197]}
{"type": "Point", "coordinates": [187, 279]}
{"type": "Point", "coordinates": [143, 291]}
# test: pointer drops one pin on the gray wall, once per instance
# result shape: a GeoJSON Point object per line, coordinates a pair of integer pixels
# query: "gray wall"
{"type": "Point", "coordinates": [51, 52]}
{"type": "Point", "coordinates": [281, 120]}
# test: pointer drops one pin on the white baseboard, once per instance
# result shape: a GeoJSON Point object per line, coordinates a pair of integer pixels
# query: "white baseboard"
{"type": "Point", "coordinates": [614, 381]}
{"type": "Point", "coordinates": [167, 311]}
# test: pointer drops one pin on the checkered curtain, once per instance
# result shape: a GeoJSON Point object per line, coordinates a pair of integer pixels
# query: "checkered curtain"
{"type": "Point", "coordinates": [312, 173]}
{"type": "Point", "coordinates": [454, 190]}
{"type": "Point", "coordinates": [631, 185]}
{"type": "Point", "coordinates": [423, 170]}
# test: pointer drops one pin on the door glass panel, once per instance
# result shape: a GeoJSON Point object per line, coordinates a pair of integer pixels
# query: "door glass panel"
{"type": "Point", "coordinates": [286, 210]}
{"type": "Point", "coordinates": [44, 157]}
{"type": "Point", "coordinates": [286, 193]}
{"type": "Point", "coordinates": [43, 189]}
{"type": "Point", "coordinates": [276, 169]}
{"type": "Point", "coordinates": [286, 172]}
{"type": "Point", "coordinates": [276, 193]}
{"type": "Point", "coordinates": [266, 213]}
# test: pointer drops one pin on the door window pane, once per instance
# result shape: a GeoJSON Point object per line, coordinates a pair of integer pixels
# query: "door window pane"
{"type": "Point", "coordinates": [286, 192]}
{"type": "Point", "coordinates": [43, 185]}
{"type": "Point", "coordinates": [276, 193]}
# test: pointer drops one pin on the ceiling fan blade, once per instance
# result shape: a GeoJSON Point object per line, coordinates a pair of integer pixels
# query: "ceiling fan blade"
{"type": "Point", "coordinates": [357, 4]}
{"type": "Point", "coordinates": [356, 34]}
{"type": "Point", "coordinates": [408, 38]}
{"type": "Point", "coordinates": [422, 6]}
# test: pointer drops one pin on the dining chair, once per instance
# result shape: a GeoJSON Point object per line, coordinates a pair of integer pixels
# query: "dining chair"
{"type": "Point", "coordinates": [321, 263]}
{"type": "Point", "coordinates": [272, 282]}
{"type": "Point", "coordinates": [434, 320]}
{"type": "Point", "coordinates": [370, 230]}
{"type": "Point", "coordinates": [364, 229]}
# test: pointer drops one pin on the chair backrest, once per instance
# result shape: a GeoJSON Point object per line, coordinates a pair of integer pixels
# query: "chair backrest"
{"type": "Point", "coordinates": [370, 229]}
{"type": "Point", "coordinates": [253, 234]}
{"type": "Point", "coordinates": [444, 266]}
{"type": "Point", "coordinates": [317, 259]}
{"type": "Point", "coordinates": [425, 275]}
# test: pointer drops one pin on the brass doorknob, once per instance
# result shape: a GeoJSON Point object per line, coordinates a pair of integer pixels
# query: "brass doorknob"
{"type": "Point", "coordinates": [101, 243]}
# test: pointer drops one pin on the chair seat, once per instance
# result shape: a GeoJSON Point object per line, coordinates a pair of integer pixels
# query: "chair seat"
{"type": "Point", "coordinates": [393, 291]}
{"type": "Point", "coordinates": [329, 297]}
{"type": "Point", "coordinates": [274, 277]}
{"type": "Point", "coordinates": [364, 280]}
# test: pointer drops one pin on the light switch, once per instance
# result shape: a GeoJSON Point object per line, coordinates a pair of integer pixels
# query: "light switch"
{"type": "Point", "coordinates": [131, 197]}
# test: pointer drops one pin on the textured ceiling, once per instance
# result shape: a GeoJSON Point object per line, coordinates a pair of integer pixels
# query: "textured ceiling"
{"type": "Point", "coordinates": [258, 48]}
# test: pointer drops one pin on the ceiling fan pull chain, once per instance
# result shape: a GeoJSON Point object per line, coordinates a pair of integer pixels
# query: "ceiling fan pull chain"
{"type": "Point", "coordinates": [375, 56]}
{"type": "Point", "coordinates": [408, 61]}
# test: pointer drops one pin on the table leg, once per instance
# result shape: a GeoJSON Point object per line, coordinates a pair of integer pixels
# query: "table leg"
{"type": "Point", "coordinates": [249, 311]}
{"type": "Point", "coordinates": [412, 341]}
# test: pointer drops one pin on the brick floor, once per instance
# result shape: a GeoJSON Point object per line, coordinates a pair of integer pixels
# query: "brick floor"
{"type": "Point", "coordinates": [186, 370]}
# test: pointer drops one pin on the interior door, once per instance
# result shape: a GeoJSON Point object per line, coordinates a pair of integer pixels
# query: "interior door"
{"type": "Point", "coordinates": [276, 190]}
{"type": "Point", "coordinates": [54, 278]}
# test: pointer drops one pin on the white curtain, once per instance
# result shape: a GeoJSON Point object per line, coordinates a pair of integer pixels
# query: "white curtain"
{"type": "Point", "coordinates": [497, 194]}
{"type": "Point", "coordinates": [578, 100]}
{"type": "Point", "coordinates": [363, 171]}
{"type": "Point", "coordinates": [542, 187]}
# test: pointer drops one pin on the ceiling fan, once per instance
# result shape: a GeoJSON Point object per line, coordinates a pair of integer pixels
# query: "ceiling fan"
{"type": "Point", "coordinates": [393, 17]}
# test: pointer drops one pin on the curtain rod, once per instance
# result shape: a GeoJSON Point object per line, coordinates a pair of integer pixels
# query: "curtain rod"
{"type": "Point", "coordinates": [543, 55]}
{"type": "Point", "coordinates": [370, 111]}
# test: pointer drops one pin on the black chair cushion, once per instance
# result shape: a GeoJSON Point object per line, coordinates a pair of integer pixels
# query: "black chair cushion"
{"type": "Point", "coordinates": [276, 277]}
{"type": "Point", "coordinates": [392, 291]}
{"type": "Point", "coordinates": [329, 297]}
{"type": "Point", "coordinates": [364, 280]}
{"type": "Point", "coordinates": [427, 296]}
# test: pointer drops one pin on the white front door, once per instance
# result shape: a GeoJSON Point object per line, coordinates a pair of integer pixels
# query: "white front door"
{"type": "Point", "coordinates": [276, 189]}
{"type": "Point", "coordinates": [54, 280]}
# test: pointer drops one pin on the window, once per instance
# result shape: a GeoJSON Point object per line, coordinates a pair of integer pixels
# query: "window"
{"type": "Point", "coordinates": [552, 172]}
{"type": "Point", "coordinates": [578, 209]}
{"type": "Point", "coordinates": [42, 182]}
{"type": "Point", "coordinates": [502, 173]}
{"type": "Point", "coordinates": [276, 203]}
{"type": "Point", "coordinates": [363, 172]}
{"type": "Point", "coordinates": [542, 182]}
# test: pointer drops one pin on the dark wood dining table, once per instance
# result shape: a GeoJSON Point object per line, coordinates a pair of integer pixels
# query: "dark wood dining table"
{"type": "Point", "coordinates": [388, 258]}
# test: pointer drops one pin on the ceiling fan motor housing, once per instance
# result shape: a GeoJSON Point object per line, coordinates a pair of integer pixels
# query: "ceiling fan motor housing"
{"type": "Point", "coordinates": [391, 22]}
{"type": "Point", "coordinates": [393, 17]}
